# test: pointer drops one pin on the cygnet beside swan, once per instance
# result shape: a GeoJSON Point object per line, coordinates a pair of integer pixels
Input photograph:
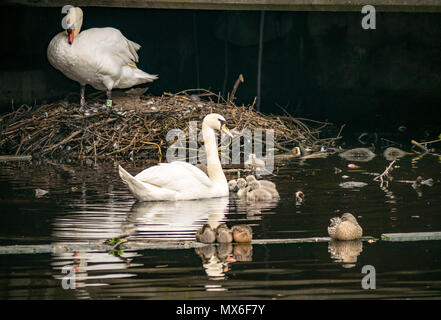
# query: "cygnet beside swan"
{"type": "Point", "coordinates": [257, 185]}
{"type": "Point", "coordinates": [263, 183]}
{"type": "Point", "coordinates": [257, 193]}
{"type": "Point", "coordinates": [100, 57]}
{"type": "Point", "coordinates": [180, 180]}
{"type": "Point", "coordinates": [242, 188]}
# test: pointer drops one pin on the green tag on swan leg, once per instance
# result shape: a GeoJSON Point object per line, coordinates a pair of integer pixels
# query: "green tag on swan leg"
{"type": "Point", "coordinates": [108, 103]}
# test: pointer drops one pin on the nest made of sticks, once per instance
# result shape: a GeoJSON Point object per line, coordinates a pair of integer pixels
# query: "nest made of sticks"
{"type": "Point", "coordinates": [137, 125]}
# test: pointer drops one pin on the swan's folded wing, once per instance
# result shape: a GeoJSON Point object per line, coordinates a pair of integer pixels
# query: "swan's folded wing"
{"type": "Point", "coordinates": [110, 41]}
{"type": "Point", "coordinates": [176, 176]}
{"type": "Point", "coordinates": [198, 173]}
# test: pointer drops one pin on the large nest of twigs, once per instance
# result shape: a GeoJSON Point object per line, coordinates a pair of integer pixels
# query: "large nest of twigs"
{"type": "Point", "coordinates": [136, 126]}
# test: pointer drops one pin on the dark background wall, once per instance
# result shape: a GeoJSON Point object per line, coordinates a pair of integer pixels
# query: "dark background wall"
{"type": "Point", "coordinates": [319, 65]}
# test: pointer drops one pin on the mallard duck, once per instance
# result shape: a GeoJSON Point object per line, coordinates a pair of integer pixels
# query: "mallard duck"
{"type": "Point", "coordinates": [223, 234]}
{"type": "Point", "coordinates": [345, 228]}
{"type": "Point", "coordinates": [180, 180]}
{"type": "Point", "coordinates": [263, 183]}
{"type": "Point", "coordinates": [100, 57]}
{"type": "Point", "coordinates": [206, 234]}
{"type": "Point", "coordinates": [242, 233]}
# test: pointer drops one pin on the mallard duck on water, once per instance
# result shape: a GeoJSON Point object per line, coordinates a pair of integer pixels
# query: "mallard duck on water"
{"type": "Point", "coordinates": [223, 234]}
{"type": "Point", "coordinates": [345, 227]}
{"type": "Point", "coordinates": [242, 233]}
{"type": "Point", "coordinates": [206, 234]}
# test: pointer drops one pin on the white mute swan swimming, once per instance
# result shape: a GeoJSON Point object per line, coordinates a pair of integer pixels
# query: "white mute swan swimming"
{"type": "Point", "coordinates": [100, 57]}
{"type": "Point", "coordinates": [180, 180]}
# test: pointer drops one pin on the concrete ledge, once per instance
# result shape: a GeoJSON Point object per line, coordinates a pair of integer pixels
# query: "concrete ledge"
{"type": "Point", "coordinates": [274, 5]}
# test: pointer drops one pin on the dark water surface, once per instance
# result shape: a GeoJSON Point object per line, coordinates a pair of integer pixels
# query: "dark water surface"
{"type": "Point", "coordinates": [89, 202]}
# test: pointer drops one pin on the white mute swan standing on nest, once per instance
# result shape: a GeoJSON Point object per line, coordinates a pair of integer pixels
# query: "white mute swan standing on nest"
{"type": "Point", "coordinates": [181, 180]}
{"type": "Point", "coordinates": [100, 57]}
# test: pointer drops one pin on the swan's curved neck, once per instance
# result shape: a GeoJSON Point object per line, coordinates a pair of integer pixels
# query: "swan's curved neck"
{"type": "Point", "coordinates": [78, 23]}
{"type": "Point", "coordinates": [214, 167]}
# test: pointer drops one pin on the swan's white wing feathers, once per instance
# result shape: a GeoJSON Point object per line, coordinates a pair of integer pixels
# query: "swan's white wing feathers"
{"type": "Point", "coordinates": [110, 42]}
{"type": "Point", "coordinates": [176, 176]}
{"type": "Point", "coordinates": [198, 173]}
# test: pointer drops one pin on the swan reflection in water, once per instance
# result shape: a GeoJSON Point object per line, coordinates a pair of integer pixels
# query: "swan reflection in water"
{"type": "Point", "coordinates": [165, 220]}
{"type": "Point", "coordinates": [176, 220]}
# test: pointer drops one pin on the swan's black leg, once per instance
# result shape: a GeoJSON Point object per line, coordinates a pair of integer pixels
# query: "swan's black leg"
{"type": "Point", "coordinates": [109, 98]}
{"type": "Point", "coordinates": [82, 99]}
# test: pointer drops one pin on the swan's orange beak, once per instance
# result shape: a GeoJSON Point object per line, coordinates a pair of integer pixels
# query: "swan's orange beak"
{"type": "Point", "coordinates": [70, 35]}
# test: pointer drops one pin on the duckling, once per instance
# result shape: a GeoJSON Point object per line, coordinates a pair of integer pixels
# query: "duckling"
{"type": "Point", "coordinates": [257, 185]}
{"type": "Point", "coordinates": [206, 234]}
{"type": "Point", "coordinates": [264, 183]}
{"type": "Point", "coordinates": [257, 193]}
{"type": "Point", "coordinates": [345, 228]}
{"type": "Point", "coordinates": [243, 191]}
{"type": "Point", "coordinates": [241, 183]}
{"type": "Point", "coordinates": [223, 234]}
{"type": "Point", "coordinates": [232, 185]}
{"type": "Point", "coordinates": [242, 233]}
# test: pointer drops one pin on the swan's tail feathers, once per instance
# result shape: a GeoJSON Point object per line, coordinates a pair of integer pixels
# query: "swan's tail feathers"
{"type": "Point", "coordinates": [144, 191]}
{"type": "Point", "coordinates": [135, 186]}
{"type": "Point", "coordinates": [133, 76]}
{"type": "Point", "coordinates": [145, 76]}
{"type": "Point", "coordinates": [127, 178]}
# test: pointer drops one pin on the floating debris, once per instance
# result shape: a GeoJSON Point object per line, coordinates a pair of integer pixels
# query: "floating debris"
{"type": "Point", "coordinates": [40, 193]}
{"type": "Point", "coordinates": [337, 170]}
{"type": "Point", "coordinates": [392, 153]}
{"type": "Point", "coordinates": [419, 182]}
{"type": "Point", "coordinates": [352, 184]}
{"type": "Point", "coordinates": [358, 154]}
{"type": "Point", "coordinates": [385, 177]}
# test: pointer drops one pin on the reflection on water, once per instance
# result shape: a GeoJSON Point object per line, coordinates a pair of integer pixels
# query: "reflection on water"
{"type": "Point", "coordinates": [75, 268]}
{"type": "Point", "coordinates": [176, 219]}
{"type": "Point", "coordinates": [217, 259]}
{"type": "Point", "coordinates": [90, 203]}
{"type": "Point", "coordinates": [345, 251]}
